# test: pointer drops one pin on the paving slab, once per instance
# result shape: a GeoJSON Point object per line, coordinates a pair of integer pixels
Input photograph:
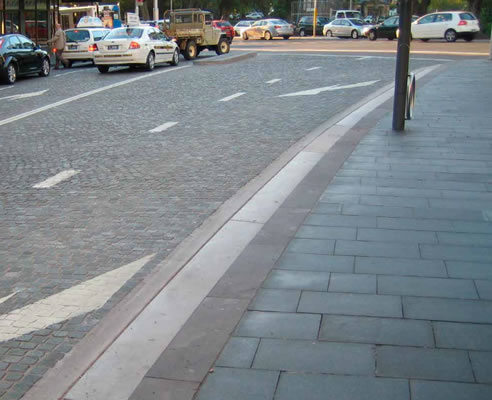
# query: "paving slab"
{"type": "Point", "coordinates": [305, 280]}
{"type": "Point", "coordinates": [463, 336]}
{"type": "Point", "coordinates": [400, 266]}
{"type": "Point", "coordinates": [285, 300]}
{"type": "Point", "coordinates": [313, 246]}
{"type": "Point", "coordinates": [163, 389]}
{"type": "Point", "coordinates": [316, 262]}
{"type": "Point", "coordinates": [482, 366]}
{"type": "Point", "coordinates": [432, 390]}
{"type": "Point", "coordinates": [238, 353]}
{"type": "Point", "coordinates": [484, 289]}
{"type": "Point", "coordinates": [352, 283]}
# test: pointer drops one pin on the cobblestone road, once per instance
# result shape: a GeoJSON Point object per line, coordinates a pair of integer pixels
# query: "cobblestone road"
{"type": "Point", "coordinates": [137, 193]}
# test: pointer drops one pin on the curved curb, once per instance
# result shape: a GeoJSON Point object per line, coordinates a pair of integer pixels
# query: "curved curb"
{"type": "Point", "coordinates": [227, 59]}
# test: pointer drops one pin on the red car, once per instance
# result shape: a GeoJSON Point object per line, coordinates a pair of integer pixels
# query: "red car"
{"type": "Point", "coordinates": [226, 27]}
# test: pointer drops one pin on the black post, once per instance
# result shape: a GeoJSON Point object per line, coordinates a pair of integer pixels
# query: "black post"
{"type": "Point", "coordinates": [402, 58]}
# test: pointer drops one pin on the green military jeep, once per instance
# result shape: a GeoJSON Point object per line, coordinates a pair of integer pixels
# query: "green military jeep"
{"type": "Point", "coordinates": [193, 31]}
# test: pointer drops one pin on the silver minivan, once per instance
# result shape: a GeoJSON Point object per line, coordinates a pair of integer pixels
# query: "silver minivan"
{"type": "Point", "coordinates": [81, 43]}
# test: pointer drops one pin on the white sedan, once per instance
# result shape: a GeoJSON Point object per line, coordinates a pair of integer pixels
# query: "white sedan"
{"type": "Point", "coordinates": [135, 46]}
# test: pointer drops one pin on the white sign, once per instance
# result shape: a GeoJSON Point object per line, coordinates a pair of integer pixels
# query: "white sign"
{"type": "Point", "coordinates": [132, 19]}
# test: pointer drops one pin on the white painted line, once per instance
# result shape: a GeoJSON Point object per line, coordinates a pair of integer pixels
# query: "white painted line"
{"type": "Point", "coordinates": [232, 96]}
{"type": "Point", "coordinates": [24, 95]}
{"type": "Point", "coordinates": [316, 91]}
{"type": "Point", "coordinates": [272, 81]}
{"type": "Point", "coordinates": [163, 127]}
{"type": "Point", "coordinates": [89, 93]}
{"type": "Point", "coordinates": [5, 88]}
{"type": "Point", "coordinates": [72, 72]}
{"type": "Point", "coordinates": [363, 58]}
{"type": "Point", "coordinates": [77, 300]}
{"type": "Point", "coordinates": [4, 299]}
{"type": "Point", "coordinates": [390, 58]}
{"type": "Point", "coordinates": [60, 177]}
{"type": "Point", "coordinates": [312, 69]}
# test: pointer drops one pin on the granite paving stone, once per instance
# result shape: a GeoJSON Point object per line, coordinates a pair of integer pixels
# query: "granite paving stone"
{"type": "Point", "coordinates": [395, 235]}
{"type": "Point", "coordinates": [412, 362]}
{"type": "Point", "coordinates": [463, 336]}
{"type": "Point", "coordinates": [400, 266]}
{"type": "Point", "coordinates": [279, 325]}
{"type": "Point", "coordinates": [315, 357]}
{"type": "Point", "coordinates": [238, 353]}
{"type": "Point", "coordinates": [350, 304]}
{"type": "Point", "coordinates": [316, 262]}
{"type": "Point", "coordinates": [469, 270]}
{"type": "Point", "coordinates": [276, 300]}
{"type": "Point", "coordinates": [313, 246]}
{"type": "Point", "coordinates": [482, 366]}
{"type": "Point", "coordinates": [427, 287]}
{"type": "Point", "coordinates": [394, 331]}
{"type": "Point", "coordinates": [455, 253]}
{"type": "Point", "coordinates": [466, 239]}
{"type": "Point", "coordinates": [453, 310]}
{"type": "Point", "coordinates": [394, 201]}
{"type": "Point", "coordinates": [328, 208]}
{"type": "Point", "coordinates": [308, 280]}
{"type": "Point", "coordinates": [239, 384]}
{"type": "Point", "coordinates": [377, 211]}
{"type": "Point", "coordinates": [158, 389]}
{"type": "Point", "coordinates": [377, 249]}
{"type": "Point", "coordinates": [433, 390]}
{"type": "Point", "coordinates": [323, 232]}
{"type": "Point", "coordinates": [484, 289]}
{"type": "Point", "coordinates": [340, 220]}
{"type": "Point", "coordinates": [353, 283]}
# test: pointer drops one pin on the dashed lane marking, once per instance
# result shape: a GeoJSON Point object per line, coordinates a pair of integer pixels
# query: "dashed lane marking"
{"type": "Point", "coordinates": [313, 92]}
{"type": "Point", "coordinates": [54, 180]}
{"type": "Point", "coordinates": [272, 81]}
{"type": "Point", "coordinates": [163, 127]}
{"type": "Point", "coordinates": [4, 299]}
{"type": "Point", "coordinates": [313, 68]}
{"type": "Point", "coordinates": [77, 300]}
{"type": "Point", "coordinates": [24, 95]}
{"type": "Point", "coordinates": [86, 94]}
{"type": "Point", "coordinates": [5, 88]}
{"type": "Point", "coordinates": [72, 72]}
{"type": "Point", "coordinates": [364, 58]}
{"type": "Point", "coordinates": [233, 96]}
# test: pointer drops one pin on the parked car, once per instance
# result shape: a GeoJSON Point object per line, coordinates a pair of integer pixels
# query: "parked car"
{"type": "Point", "coordinates": [82, 43]}
{"type": "Point", "coordinates": [449, 25]}
{"type": "Point", "coordinates": [305, 25]}
{"type": "Point", "coordinates": [21, 56]}
{"type": "Point", "coordinates": [241, 26]}
{"type": "Point", "coordinates": [135, 46]}
{"type": "Point", "coordinates": [386, 30]}
{"type": "Point", "coordinates": [348, 14]}
{"type": "Point", "coordinates": [344, 27]}
{"type": "Point", "coordinates": [268, 29]}
{"type": "Point", "coordinates": [226, 27]}
{"type": "Point", "coordinates": [255, 15]}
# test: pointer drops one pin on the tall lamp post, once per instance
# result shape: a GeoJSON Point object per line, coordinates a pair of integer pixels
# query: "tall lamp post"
{"type": "Point", "coordinates": [315, 17]}
{"type": "Point", "coordinates": [156, 10]}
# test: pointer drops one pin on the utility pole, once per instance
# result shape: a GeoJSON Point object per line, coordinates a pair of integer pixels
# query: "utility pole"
{"type": "Point", "coordinates": [156, 10]}
{"type": "Point", "coordinates": [315, 17]}
{"type": "Point", "coordinates": [402, 60]}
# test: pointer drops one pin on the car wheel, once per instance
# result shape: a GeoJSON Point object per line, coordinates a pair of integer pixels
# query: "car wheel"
{"type": "Point", "coordinates": [329, 33]}
{"type": "Point", "coordinates": [268, 36]}
{"type": "Point", "coordinates": [286, 37]}
{"type": "Point", "coordinates": [190, 52]}
{"type": "Point", "coordinates": [424, 40]}
{"type": "Point", "coordinates": [150, 63]}
{"type": "Point", "coordinates": [223, 47]}
{"type": "Point", "coordinates": [372, 35]}
{"type": "Point", "coordinates": [45, 67]}
{"type": "Point", "coordinates": [302, 32]}
{"type": "Point", "coordinates": [245, 36]}
{"type": "Point", "coordinates": [10, 74]}
{"type": "Point", "coordinates": [103, 68]}
{"type": "Point", "coordinates": [354, 34]}
{"type": "Point", "coordinates": [450, 35]}
{"type": "Point", "coordinates": [175, 60]}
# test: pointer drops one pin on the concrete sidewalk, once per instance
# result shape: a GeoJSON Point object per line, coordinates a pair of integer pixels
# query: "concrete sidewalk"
{"type": "Point", "coordinates": [381, 286]}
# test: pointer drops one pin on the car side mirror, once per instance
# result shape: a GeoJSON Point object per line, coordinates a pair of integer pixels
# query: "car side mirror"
{"type": "Point", "coordinates": [36, 47]}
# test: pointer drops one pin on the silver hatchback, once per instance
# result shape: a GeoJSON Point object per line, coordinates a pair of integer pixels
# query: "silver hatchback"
{"type": "Point", "coordinates": [268, 29]}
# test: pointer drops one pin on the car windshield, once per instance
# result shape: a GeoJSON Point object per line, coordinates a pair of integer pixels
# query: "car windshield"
{"type": "Point", "coordinates": [279, 22]}
{"type": "Point", "coordinates": [349, 14]}
{"type": "Point", "coordinates": [467, 16]}
{"type": "Point", "coordinates": [257, 23]}
{"type": "Point", "coordinates": [125, 33]}
{"type": "Point", "coordinates": [78, 35]}
{"type": "Point", "coordinates": [357, 21]}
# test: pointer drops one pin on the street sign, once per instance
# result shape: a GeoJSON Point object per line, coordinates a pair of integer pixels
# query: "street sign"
{"type": "Point", "coordinates": [132, 19]}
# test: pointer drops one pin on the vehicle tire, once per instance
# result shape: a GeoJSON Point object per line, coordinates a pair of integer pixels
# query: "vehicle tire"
{"type": "Point", "coordinates": [150, 64]}
{"type": "Point", "coordinates": [302, 32]}
{"type": "Point", "coordinates": [372, 35]}
{"type": "Point", "coordinates": [45, 67]}
{"type": "Point", "coordinates": [175, 60]}
{"type": "Point", "coordinates": [354, 34]}
{"type": "Point", "coordinates": [190, 52]}
{"type": "Point", "coordinates": [329, 33]}
{"type": "Point", "coordinates": [424, 40]}
{"type": "Point", "coordinates": [103, 68]}
{"type": "Point", "coordinates": [245, 36]}
{"type": "Point", "coordinates": [223, 47]}
{"type": "Point", "coordinates": [450, 35]}
{"type": "Point", "coordinates": [286, 37]}
{"type": "Point", "coordinates": [10, 74]}
{"type": "Point", "coordinates": [70, 63]}
{"type": "Point", "coordinates": [268, 36]}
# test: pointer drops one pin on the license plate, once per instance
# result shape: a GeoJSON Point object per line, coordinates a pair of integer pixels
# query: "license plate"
{"type": "Point", "coordinates": [113, 47]}
{"type": "Point", "coordinates": [72, 47]}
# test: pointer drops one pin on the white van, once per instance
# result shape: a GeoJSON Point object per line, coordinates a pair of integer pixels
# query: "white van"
{"type": "Point", "coordinates": [353, 14]}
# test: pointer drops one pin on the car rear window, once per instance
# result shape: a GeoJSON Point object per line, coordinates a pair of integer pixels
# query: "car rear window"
{"type": "Point", "coordinates": [279, 22]}
{"type": "Point", "coordinates": [78, 35]}
{"type": "Point", "coordinates": [467, 16]}
{"type": "Point", "coordinates": [223, 23]}
{"type": "Point", "coordinates": [125, 33]}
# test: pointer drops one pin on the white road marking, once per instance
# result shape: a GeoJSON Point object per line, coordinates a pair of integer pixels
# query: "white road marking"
{"type": "Point", "coordinates": [86, 94]}
{"type": "Point", "coordinates": [72, 72]}
{"type": "Point", "coordinates": [52, 181]}
{"type": "Point", "coordinates": [77, 300]}
{"type": "Point", "coordinates": [4, 299]}
{"type": "Point", "coordinates": [272, 81]}
{"type": "Point", "coordinates": [313, 92]}
{"type": "Point", "coordinates": [24, 95]}
{"type": "Point", "coordinates": [391, 58]}
{"type": "Point", "coordinates": [5, 88]}
{"type": "Point", "coordinates": [364, 58]}
{"type": "Point", "coordinates": [163, 127]}
{"type": "Point", "coordinates": [313, 68]}
{"type": "Point", "coordinates": [233, 96]}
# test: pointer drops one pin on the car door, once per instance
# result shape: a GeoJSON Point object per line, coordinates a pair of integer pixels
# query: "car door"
{"type": "Point", "coordinates": [254, 31]}
{"type": "Point", "coordinates": [30, 59]}
{"type": "Point", "coordinates": [422, 28]}
{"type": "Point", "coordinates": [167, 46]}
{"type": "Point", "coordinates": [388, 28]}
{"type": "Point", "coordinates": [345, 28]}
{"type": "Point", "coordinates": [15, 50]}
{"type": "Point", "coordinates": [155, 44]}
{"type": "Point", "coordinates": [441, 24]}
{"type": "Point", "coordinates": [335, 26]}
